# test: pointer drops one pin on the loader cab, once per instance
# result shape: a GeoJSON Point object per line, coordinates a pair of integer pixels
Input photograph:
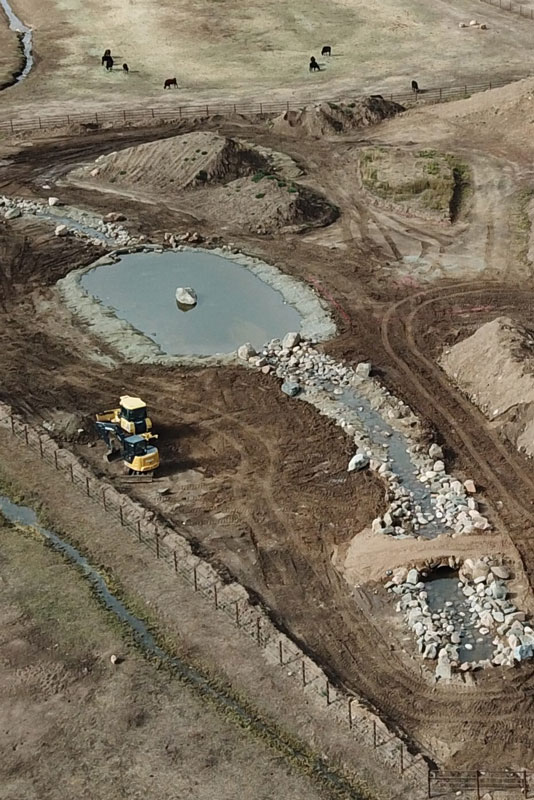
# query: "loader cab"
{"type": "Point", "coordinates": [139, 455]}
{"type": "Point", "coordinates": [133, 415]}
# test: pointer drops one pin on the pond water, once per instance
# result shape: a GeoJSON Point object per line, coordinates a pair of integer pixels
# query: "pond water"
{"type": "Point", "coordinates": [234, 305]}
{"type": "Point", "coordinates": [442, 588]}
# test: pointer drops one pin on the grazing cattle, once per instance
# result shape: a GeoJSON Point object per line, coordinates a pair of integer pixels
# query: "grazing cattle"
{"type": "Point", "coordinates": [170, 82]}
{"type": "Point", "coordinates": [108, 61]}
{"type": "Point", "coordinates": [415, 87]}
{"type": "Point", "coordinates": [327, 50]}
{"type": "Point", "coordinates": [125, 68]}
{"type": "Point", "coordinates": [107, 54]}
{"type": "Point", "coordinates": [314, 66]}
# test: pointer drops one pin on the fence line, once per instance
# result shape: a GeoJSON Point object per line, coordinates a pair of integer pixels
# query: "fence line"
{"type": "Point", "coordinates": [262, 109]}
{"type": "Point", "coordinates": [231, 598]}
{"type": "Point", "coordinates": [514, 8]}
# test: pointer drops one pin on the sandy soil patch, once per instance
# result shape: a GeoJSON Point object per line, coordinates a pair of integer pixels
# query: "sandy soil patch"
{"type": "Point", "coordinates": [495, 367]}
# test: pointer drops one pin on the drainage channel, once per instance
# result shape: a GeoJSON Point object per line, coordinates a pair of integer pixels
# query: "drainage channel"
{"type": "Point", "coordinates": [296, 755]}
{"type": "Point", "coordinates": [26, 41]}
{"type": "Point", "coordinates": [396, 445]}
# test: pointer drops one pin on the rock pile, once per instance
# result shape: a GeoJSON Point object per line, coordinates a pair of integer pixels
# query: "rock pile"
{"type": "Point", "coordinates": [98, 231]}
{"type": "Point", "coordinates": [481, 610]}
{"type": "Point", "coordinates": [441, 501]}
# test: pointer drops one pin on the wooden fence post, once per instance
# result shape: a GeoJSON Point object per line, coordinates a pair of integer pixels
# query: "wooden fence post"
{"type": "Point", "coordinates": [195, 578]}
{"type": "Point", "coordinates": [258, 630]}
{"type": "Point", "coordinates": [71, 473]}
{"type": "Point", "coordinates": [237, 613]}
{"type": "Point", "coordinates": [401, 764]}
{"type": "Point", "coordinates": [87, 487]}
{"type": "Point", "coordinates": [429, 783]}
{"type": "Point", "coordinates": [280, 652]}
{"type": "Point", "coordinates": [327, 692]}
{"type": "Point", "coordinates": [41, 447]}
{"type": "Point", "coordinates": [215, 598]}
{"type": "Point", "coordinates": [139, 529]}
{"type": "Point", "coordinates": [175, 561]}
{"type": "Point", "coordinates": [303, 672]}
{"type": "Point", "coordinates": [26, 434]}
{"type": "Point", "coordinates": [157, 544]}
{"type": "Point", "coordinates": [374, 734]}
{"type": "Point", "coordinates": [351, 699]}
{"type": "Point", "coordinates": [55, 460]}
{"type": "Point", "coordinates": [12, 423]}
{"type": "Point", "coordinates": [121, 516]}
{"type": "Point", "coordinates": [478, 784]}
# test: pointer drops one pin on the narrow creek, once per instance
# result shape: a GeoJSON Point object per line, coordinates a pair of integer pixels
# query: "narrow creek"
{"type": "Point", "coordinates": [295, 754]}
{"type": "Point", "coordinates": [26, 40]}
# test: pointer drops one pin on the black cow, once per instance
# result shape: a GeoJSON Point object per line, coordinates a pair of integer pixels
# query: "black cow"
{"type": "Point", "coordinates": [108, 61]}
{"type": "Point", "coordinates": [415, 87]}
{"type": "Point", "coordinates": [314, 66]}
{"type": "Point", "coordinates": [107, 54]}
{"type": "Point", "coordinates": [170, 82]}
{"type": "Point", "coordinates": [125, 68]}
{"type": "Point", "coordinates": [327, 50]}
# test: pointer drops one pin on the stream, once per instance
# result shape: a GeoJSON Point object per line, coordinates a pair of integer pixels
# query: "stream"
{"type": "Point", "coordinates": [15, 24]}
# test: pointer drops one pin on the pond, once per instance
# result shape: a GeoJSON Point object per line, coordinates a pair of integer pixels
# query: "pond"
{"type": "Point", "coordinates": [234, 305]}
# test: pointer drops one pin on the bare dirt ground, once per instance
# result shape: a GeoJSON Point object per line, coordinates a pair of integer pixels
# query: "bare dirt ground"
{"type": "Point", "coordinates": [73, 724]}
{"type": "Point", "coordinates": [223, 51]}
{"type": "Point", "coordinates": [261, 481]}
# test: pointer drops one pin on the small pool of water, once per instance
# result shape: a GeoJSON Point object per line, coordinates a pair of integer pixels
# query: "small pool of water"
{"type": "Point", "coordinates": [234, 305]}
{"type": "Point", "coordinates": [442, 588]}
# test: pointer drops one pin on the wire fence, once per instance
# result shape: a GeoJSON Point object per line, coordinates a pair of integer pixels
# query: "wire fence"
{"type": "Point", "coordinates": [232, 599]}
{"type": "Point", "coordinates": [514, 8]}
{"type": "Point", "coordinates": [201, 111]}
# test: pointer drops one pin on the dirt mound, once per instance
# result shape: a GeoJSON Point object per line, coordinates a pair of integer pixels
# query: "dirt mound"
{"type": "Point", "coordinates": [169, 165]}
{"type": "Point", "coordinates": [495, 367]}
{"type": "Point", "coordinates": [265, 204]}
{"type": "Point", "coordinates": [421, 183]}
{"type": "Point", "coordinates": [324, 119]}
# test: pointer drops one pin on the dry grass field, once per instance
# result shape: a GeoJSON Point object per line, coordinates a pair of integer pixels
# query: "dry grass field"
{"type": "Point", "coordinates": [228, 49]}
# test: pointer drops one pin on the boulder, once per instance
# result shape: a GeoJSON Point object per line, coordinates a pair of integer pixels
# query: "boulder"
{"type": "Point", "coordinates": [500, 571]}
{"type": "Point", "coordinates": [439, 466]}
{"type": "Point", "coordinates": [291, 388]}
{"type": "Point", "coordinates": [61, 230]}
{"type": "Point", "coordinates": [358, 462]}
{"type": "Point", "coordinates": [13, 213]}
{"type": "Point", "coordinates": [53, 201]}
{"type": "Point", "coordinates": [185, 296]}
{"type": "Point", "coordinates": [363, 369]}
{"type": "Point", "coordinates": [412, 577]}
{"type": "Point", "coordinates": [470, 487]}
{"type": "Point", "coordinates": [290, 340]}
{"type": "Point", "coordinates": [114, 216]}
{"type": "Point", "coordinates": [480, 570]}
{"type": "Point", "coordinates": [435, 451]}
